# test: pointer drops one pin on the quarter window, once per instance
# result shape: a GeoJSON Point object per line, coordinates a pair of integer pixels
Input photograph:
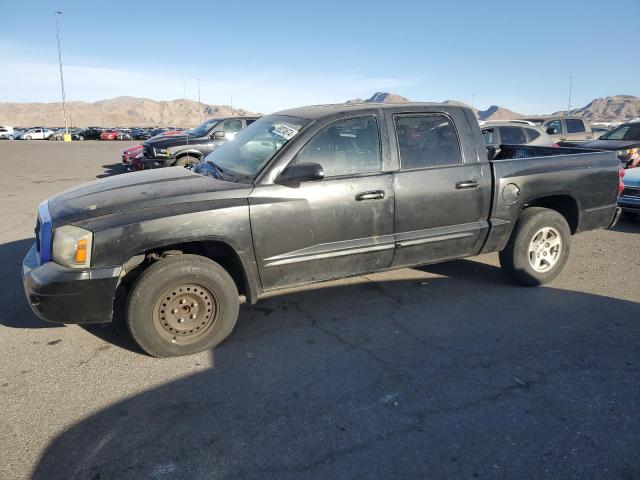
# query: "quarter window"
{"type": "Point", "coordinates": [427, 141]}
{"type": "Point", "coordinates": [533, 134]}
{"type": "Point", "coordinates": [574, 125]}
{"type": "Point", "coordinates": [512, 136]}
{"type": "Point", "coordinates": [346, 147]}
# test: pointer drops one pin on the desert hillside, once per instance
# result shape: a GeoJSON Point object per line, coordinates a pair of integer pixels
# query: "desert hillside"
{"type": "Point", "coordinates": [618, 108]}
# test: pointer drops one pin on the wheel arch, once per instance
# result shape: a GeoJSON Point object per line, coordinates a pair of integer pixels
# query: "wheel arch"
{"type": "Point", "coordinates": [218, 250]}
{"type": "Point", "coordinates": [565, 204]}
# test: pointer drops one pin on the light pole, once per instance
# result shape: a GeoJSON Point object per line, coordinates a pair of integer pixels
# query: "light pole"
{"type": "Point", "coordinates": [570, 88]}
{"type": "Point", "coordinates": [64, 100]}
{"type": "Point", "coordinates": [199, 103]}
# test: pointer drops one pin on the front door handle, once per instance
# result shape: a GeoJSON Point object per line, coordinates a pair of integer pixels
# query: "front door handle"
{"type": "Point", "coordinates": [374, 195]}
{"type": "Point", "coordinates": [467, 184]}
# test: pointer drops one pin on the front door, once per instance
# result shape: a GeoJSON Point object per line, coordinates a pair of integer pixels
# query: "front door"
{"type": "Point", "coordinates": [331, 228]}
{"type": "Point", "coordinates": [440, 204]}
{"type": "Point", "coordinates": [576, 130]}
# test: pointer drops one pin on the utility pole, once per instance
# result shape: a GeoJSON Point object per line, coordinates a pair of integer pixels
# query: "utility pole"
{"type": "Point", "coordinates": [199, 103]}
{"type": "Point", "coordinates": [64, 100]}
{"type": "Point", "coordinates": [570, 88]}
{"type": "Point", "coordinates": [184, 91]}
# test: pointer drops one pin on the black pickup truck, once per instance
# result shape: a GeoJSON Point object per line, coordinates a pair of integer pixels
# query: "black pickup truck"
{"type": "Point", "coordinates": [188, 148]}
{"type": "Point", "coordinates": [301, 196]}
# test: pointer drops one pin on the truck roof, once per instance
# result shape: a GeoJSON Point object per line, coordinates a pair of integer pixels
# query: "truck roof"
{"type": "Point", "coordinates": [314, 112]}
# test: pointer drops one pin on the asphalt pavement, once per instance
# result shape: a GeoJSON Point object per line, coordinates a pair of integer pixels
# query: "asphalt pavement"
{"type": "Point", "coordinates": [443, 371]}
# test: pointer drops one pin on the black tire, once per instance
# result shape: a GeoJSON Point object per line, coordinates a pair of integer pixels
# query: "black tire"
{"type": "Point", "coordinates": [515, 258]}
{"type": "Point", "coordinates": [186, 160]}
{"type": "Point", "coordinates": [154, 312]}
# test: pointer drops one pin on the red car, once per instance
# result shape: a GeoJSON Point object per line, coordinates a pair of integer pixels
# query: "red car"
{"type": "Point", "coordinates": [109, 135]}
{"type": "Point", "coordinates": [130, 153]}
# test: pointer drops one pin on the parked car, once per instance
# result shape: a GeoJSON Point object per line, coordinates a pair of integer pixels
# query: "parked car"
{"type": "Point", "coordinates": [192, 145]}
{"type": "Point", "coordinates": [130, 153]}
{"type": "Point", "coordinates": [515, 133]}
{"type": "Point", "coordinates": [629, 201]}
{"type": "Point", "coordinates": [76, 134]}
{"type": "Point", "coordinates": [7, 133]}
{"type": "Point", "coordinates": [38, 133]}
{"type": "Point", "coordinates": [565, 131]}
{"type": "Point", "coordinates": [91, 133]}
{"type": "Point", "coordinates": [301, 196]}
{"type": "Point", "coordinates": [624, 140]}
{"type": "Point", "coordinates": [109, 135]}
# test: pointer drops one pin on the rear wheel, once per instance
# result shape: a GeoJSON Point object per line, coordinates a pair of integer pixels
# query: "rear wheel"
{"type": "Point", "coordinates": [181, 305]}
{"type": "Point", "coordinates": [185, 161]}
{"type": "Point", "coordinates": [538, 247]}
{"type": "Point", "coordinates": [28, 137]}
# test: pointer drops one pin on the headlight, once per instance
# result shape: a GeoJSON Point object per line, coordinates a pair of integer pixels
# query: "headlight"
{"type": "Point", "coordinates": [72, 246]}
{"type": "Point", "coordinates": [164, 152]}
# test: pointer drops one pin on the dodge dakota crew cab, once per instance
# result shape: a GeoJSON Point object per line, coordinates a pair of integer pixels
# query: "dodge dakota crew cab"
{"type": "Point", "coordinates": [301, 196]}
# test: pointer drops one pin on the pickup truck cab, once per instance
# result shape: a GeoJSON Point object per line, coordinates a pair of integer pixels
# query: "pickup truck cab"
{"type": "Point", "coordinates": [565, 131]}
{"type": "Point", "coordinates": [190, 146]}
{"type": "Point", "coordinates": [301, 196]}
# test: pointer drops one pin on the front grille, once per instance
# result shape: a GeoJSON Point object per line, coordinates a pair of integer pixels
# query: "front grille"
{"type": "Point", "coordinates": [631, 191]}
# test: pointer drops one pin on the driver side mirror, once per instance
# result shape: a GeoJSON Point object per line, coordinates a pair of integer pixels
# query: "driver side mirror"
{"type": "Point", "coordinates": [552, 131]}
{"type": "Point", "coordinates": [219, 135]}
{"type": "Point", "coordinates": [300, 172]}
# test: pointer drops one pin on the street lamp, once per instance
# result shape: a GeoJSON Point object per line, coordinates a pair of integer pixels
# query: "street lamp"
{"type": "Point", "coordinates": [64, 100]}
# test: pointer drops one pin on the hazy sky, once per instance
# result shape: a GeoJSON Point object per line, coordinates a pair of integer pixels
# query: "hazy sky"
{"type": "Point", "coordinates": [271, 55]}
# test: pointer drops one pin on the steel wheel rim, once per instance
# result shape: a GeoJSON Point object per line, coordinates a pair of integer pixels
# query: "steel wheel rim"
{"type": "Point", "coordinates": [185, 313]}
{"type": "Point", "coordinates": [545, 249]}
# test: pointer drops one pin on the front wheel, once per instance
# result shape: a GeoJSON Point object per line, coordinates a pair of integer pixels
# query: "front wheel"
{"type": "Point", "coordinates": [538, 248]}
{"type": "Point", "coordinates": [185, 161]}
{"type": "Point", "coordinates": [181, 305]}
{"type": "Point", "coordinates": [28, 137]}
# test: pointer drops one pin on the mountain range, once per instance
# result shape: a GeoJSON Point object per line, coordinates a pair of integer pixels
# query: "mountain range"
{"type": "Point", "coordinates": [142, 112]}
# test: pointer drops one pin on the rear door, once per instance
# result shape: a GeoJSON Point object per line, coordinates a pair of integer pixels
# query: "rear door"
{"type": "Point", "coordinates": [510, 135]}
{"type": "Point", "coordinates": [576, 130]}
{"type": "Point", "coordinates": [331, 228]}
{"type": "Point", "coordinates": [442, 189]}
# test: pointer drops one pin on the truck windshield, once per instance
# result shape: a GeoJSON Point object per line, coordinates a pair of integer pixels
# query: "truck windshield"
{"type": "Point", "coordinates": [202, 129]}
{"type": "Point", "coordinates": [244, 156]}
{"type": "Point", "coordinates": [630, 131]}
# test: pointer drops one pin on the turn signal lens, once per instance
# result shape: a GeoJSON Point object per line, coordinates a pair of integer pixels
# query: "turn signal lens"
{"type": "Point", "coordinates": [81, 251]}
{"type": "Point", "coordinates": [621, 173]}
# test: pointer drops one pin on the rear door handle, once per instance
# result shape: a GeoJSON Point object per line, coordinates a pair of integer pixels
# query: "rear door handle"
{"type": "Point", "coordinates": [467, 184]}
{"type": "Point", "coordinates": [374, 195]}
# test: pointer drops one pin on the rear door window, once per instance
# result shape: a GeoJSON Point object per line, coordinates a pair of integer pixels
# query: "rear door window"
{"type": "Point", "coordinates": [512, 136]}
{"type": "Point", "coordinates": [574, 125]}
{"type": "Point", "coordinates": [427, 141]}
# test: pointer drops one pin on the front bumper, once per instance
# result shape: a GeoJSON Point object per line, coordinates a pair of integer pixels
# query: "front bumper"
{"type": "Point", "coordinates": [66, 295]}
{"type": "Point", "coordinates": [155, 162]}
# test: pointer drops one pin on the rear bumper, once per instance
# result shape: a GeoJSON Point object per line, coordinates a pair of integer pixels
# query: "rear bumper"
{"type": "Point", "coordinates": [65, 295]}
{"type": "Point", "coordinates": [629, 204]}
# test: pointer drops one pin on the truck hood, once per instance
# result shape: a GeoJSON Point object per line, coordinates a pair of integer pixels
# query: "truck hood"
{"type": "Point", "coordinates": [173, 140]}
{"type": "Point", "coordinates": [611, 144]}
{"type": "Point", "coordinates": [135, 191]}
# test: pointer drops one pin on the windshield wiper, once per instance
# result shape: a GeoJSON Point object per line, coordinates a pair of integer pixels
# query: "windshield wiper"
{"type": "Point", "coordinates": [219, 171]}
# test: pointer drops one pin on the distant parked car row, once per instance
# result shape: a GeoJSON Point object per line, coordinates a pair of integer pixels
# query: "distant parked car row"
{"type": "Point", "coordinates": [89, 133]}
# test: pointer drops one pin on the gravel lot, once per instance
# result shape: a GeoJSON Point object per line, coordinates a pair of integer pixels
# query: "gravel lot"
{"type": "Point", "coordinates": [443, 371]}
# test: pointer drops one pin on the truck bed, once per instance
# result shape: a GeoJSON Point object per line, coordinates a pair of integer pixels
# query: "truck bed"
{"type": "Point", "coordinates": [580, 181]}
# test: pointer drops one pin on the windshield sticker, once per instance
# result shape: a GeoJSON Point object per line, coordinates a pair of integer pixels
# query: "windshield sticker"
{"type": "Point", "coordinates": [285, 132]}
